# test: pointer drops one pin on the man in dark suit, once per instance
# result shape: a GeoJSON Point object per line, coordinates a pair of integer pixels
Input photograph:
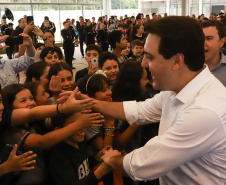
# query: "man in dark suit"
{"type": "Point", "coordinates": [68, 44]}
{"type": "Point", "coordinates": [80, 28]}
{"type": "Point", "coordinates": [8, 31]}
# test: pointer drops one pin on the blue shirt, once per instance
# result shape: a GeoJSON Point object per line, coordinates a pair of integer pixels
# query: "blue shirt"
{"type": "Point", "coordinates": [9, 69]}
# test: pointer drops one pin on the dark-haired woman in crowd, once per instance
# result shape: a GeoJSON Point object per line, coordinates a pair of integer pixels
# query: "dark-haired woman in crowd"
{"type": "Point", "coordinates": [40, 75]}
{"type": "Point", "coordinates": [49, 55]}
{"type": "Point", "coordinates": [108, 62]}
{"type": "Point", "coordinates": [64, 80]}
{"type": "Point", "coordinates": [137, 32]}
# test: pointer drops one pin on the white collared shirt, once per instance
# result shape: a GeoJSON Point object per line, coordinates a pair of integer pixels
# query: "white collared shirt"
{"type": "Point", "coordinates": [191, 145]}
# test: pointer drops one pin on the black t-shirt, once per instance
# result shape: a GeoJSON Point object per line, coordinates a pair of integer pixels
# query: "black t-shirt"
{"type": "Point", "coordinates": [69, 165]}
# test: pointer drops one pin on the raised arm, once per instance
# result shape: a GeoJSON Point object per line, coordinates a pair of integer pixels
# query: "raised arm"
{"type": "Point", "coordinates": [22, 116]}
{"type": "Point", "coordinates": [52, 138]}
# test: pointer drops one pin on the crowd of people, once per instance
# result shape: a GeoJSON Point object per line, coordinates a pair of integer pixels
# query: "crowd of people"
{"type": "Point", "coordinates": [150, 106]}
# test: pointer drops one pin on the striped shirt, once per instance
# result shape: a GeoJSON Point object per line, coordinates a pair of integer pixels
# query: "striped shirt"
{"type": "Point", "coordinates": [9, 69]}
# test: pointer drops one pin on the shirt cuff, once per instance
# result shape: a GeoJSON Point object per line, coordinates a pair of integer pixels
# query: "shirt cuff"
{"type": "Point", "coordinates": [130, 109]}
{"type": "Point", "coordinates": [127, 166]}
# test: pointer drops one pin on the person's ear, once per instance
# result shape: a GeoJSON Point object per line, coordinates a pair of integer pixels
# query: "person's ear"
{"type": "Point", "coordinates": [178, 61]}
{"type": "Point", "coordinates": [33, 79]}
{"type": "Point", "coordinates": [223, 40]}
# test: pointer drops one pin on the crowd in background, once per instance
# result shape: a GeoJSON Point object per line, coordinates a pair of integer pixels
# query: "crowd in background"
{"type": "Point", "coordinates": [67, 138]}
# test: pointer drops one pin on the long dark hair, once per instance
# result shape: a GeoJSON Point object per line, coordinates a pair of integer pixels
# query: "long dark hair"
{"type": "Point", "coordinates": [91, 84]}
{"type": "Point", "coordinates": [127, 85]}
{"type": "Point", "coordinates": [57, 67]}
{"type": "Point", "coordinates": [36, 70]}
{"type": "Point", "coordinates": [9, 93]}
{"type": "Point", "coordinates": [134, 31]}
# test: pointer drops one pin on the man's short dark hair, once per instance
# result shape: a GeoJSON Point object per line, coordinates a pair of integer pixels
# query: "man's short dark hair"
{"type": "Point", "coordinates": [137, 42]}
{"type": "Point", "coordinates": [65, 22]}
{"type": "Point", "coordinates": [180, 34]}
{"type": "Point", "coordinates": [93, 47]}
{"type": "Point", "coordinates": [114, 37]}
{"type": "Point", "coordinates": [218, 24]}
{"type": "Point", "coordinates": [138, 17]}
{"type": "Point", "coordinates": [153, 14]}
{"type": "Point", "coordinates": [106, 56]}
{"type": "Point", "coordinates": [46, 17]}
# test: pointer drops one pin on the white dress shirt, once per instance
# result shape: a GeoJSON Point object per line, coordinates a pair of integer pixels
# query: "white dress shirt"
{"type": "Point", "coordinates": [191, 145]}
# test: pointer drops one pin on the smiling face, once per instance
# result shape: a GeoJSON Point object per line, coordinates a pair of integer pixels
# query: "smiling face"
{"type": "Point", "coordinates": [24, 99]}
{"type": "Point", "coordinates": [79, 135]}
{"type": "Point", "coordinates": [42, 97]}
{"type": "Point", "coordinates": [111, 67]}
{"type": "Point", "coordinates": [44, 81]}
{"type": "Point", "coordinates": [51, 58]}
{"type": "Point", "coordinates": [104, 94]}
{"type": "Point", "coordinates": [157, 64]}
{"type": "Point", "coordinates": [66, 80]}
{"type": "Point", "coordinates": [213, 44]}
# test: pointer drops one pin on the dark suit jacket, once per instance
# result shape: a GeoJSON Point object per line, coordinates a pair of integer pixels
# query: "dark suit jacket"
{"type": "Point", "coordinates": [81, 73]}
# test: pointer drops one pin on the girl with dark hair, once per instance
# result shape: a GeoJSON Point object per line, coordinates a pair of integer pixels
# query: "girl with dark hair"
{"type": "Point", "coordinates": [11, 161]}
{"type": "Point", "coordinates": [41, 97]}
{"type": "Point", "coordinates": [61, 79]}
{"type": "Point", "coordinates": [137, 32]}
{"type": "Point", "coordinates": [64, 73]}
{"type": "Point", "coordinates": [16, 96]}
{"type": "Point", "coordinates": [108, 62]}
{"type": "Point", "coordinates": [40, 75]}
{"type": "Point", "coordinates": [49, 55]}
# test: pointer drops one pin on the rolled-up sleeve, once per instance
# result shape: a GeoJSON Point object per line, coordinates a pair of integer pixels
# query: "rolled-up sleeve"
{"type": "Point", "coordinates": [194, 133]}
{"type": "Point", "coordinates": [145, 112]}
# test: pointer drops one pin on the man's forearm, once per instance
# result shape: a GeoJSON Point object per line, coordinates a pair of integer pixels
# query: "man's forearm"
{"type": "Point", "coordinates": [116, 162]}
{"type": "Point", "coordinates": [113, 109]}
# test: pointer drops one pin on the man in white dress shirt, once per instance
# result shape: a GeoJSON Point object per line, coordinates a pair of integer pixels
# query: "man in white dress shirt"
{"type": "Point", "coordinates": [191, 108]}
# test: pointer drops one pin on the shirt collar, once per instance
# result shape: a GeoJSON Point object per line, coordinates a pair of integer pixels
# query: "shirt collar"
{"type": "Point", "coordinates": [223, 58]}
{"type": "Point", "coordinates": [194, 86]}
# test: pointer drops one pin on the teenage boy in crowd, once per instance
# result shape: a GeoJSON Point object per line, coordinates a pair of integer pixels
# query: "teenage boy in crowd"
{"type": "Point", "coordinates": [118, 42]}
{"type": "Point", "coordinates": [92, 51]}
{"type": "Point", "coordinates": [214, 40]}
{"type": "Point", "coordinates": [137, 49]}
